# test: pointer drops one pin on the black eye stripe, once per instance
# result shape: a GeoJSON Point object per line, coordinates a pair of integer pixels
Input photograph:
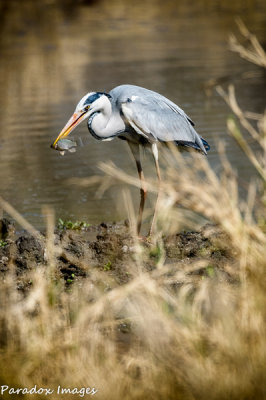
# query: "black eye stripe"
{"type": "Point", "coordinates": [91, 98]}
{"type": "Point", "coordinates": [94, 97]}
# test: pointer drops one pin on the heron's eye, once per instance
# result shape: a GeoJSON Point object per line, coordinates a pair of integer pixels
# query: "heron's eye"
{"type": "Point", "coordinates": [86, 108]}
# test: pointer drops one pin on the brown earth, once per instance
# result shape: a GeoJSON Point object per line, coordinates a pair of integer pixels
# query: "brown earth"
{"type": "Point", "coordinates": [109, 248]}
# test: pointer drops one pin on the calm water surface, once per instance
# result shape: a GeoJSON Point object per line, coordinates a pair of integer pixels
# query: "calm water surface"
{"type": "Point", "coordinates": [52, 53]}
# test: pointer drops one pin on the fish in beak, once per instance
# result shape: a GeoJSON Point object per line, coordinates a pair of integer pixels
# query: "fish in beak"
{"type": "Point", "coordinates": [73, 122]}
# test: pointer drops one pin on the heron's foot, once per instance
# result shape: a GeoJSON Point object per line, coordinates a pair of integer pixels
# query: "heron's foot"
{"type": "Point", "coordinates": [141, 238]}
{"type": "Point", "coordinates": [145, 239]}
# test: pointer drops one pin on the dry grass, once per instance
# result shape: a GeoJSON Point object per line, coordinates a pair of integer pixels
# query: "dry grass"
{"type": "Point", "coordinates": [251, 50]}
{"type": "Point", "coordinates": [187, 337]}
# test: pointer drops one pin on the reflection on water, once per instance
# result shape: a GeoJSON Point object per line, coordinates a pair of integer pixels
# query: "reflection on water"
{"type": "Point", "coordinates": [52, 53]}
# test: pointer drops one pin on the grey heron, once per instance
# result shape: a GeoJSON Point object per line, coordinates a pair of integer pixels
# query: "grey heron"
{"type": "Point", "coordinates": [140, 116]}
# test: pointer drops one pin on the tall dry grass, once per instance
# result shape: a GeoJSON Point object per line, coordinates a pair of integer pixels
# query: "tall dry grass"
{"type": "Point", "coordinates": [168, 333]}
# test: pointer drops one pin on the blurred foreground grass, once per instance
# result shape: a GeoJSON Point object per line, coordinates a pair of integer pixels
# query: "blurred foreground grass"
{"type": "Point", "coordinates": [168, 333]}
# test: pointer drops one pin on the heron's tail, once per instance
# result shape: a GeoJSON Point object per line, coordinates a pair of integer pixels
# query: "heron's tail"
{"type": "Point", "coordinates": [205, 144]}
{"type": "Point", "coordinates": [201, 144]}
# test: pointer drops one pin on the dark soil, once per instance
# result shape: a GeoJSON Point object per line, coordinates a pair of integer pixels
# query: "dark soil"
{"type": "Point", "coordinates": [110, 248]}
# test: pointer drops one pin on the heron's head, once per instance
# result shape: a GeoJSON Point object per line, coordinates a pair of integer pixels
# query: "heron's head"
{"type": "Point", "coordinates": [90, 103]}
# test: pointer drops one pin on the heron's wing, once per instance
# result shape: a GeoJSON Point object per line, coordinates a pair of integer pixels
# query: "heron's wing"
{"type": "Point", "coordinates": [158, 119]}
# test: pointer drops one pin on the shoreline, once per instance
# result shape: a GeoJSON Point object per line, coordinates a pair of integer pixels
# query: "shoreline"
{"type": "Point", "coordinates": [111, 249]}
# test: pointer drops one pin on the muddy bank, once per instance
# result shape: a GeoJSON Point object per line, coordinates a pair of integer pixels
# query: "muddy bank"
{"type": "Point", "coordinates": [109, 248]}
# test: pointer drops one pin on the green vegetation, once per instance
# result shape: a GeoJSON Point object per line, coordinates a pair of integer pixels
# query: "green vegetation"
{"type": "Point", "coordinates": [107, 266]}
{"type": "Point", "coordinates": [71, 280]}
{"type": "Point", "coordinates": [210, 271]}
{"type": "Point", "coordinates": [3, 243]}
{"type": "Point", "coordinates": [156, 252]}
{"type": "Point", "coordinates": [66, 224]}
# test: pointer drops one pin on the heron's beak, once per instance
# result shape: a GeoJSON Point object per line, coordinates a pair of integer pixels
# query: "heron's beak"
{"type": "Point", "coordinates": [73, 122]}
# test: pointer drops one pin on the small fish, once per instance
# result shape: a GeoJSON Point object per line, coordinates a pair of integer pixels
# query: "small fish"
{"type": "Point", "coordinates": [65, 145]}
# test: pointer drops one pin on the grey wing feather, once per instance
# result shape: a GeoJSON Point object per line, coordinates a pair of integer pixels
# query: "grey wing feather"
{"type": "Point", "coordinates": [155, 117]}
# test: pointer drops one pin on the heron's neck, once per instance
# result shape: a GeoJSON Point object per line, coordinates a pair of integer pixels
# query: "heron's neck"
{"type": "Point", "coordinates": [104, 123]}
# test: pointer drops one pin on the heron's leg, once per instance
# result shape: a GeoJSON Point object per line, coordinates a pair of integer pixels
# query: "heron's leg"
{"type": "Point", "coordinates": [143, 191]}
{"type": "Point", "coordinates": [155, 156]}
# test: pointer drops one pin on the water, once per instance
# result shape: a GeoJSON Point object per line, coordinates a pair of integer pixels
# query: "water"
{"type": "Point", "coordinates": [52, 53]}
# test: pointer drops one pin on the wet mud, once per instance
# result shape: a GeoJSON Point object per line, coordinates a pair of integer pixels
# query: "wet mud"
{"type": "Point", "coordinates": [109, 248]}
